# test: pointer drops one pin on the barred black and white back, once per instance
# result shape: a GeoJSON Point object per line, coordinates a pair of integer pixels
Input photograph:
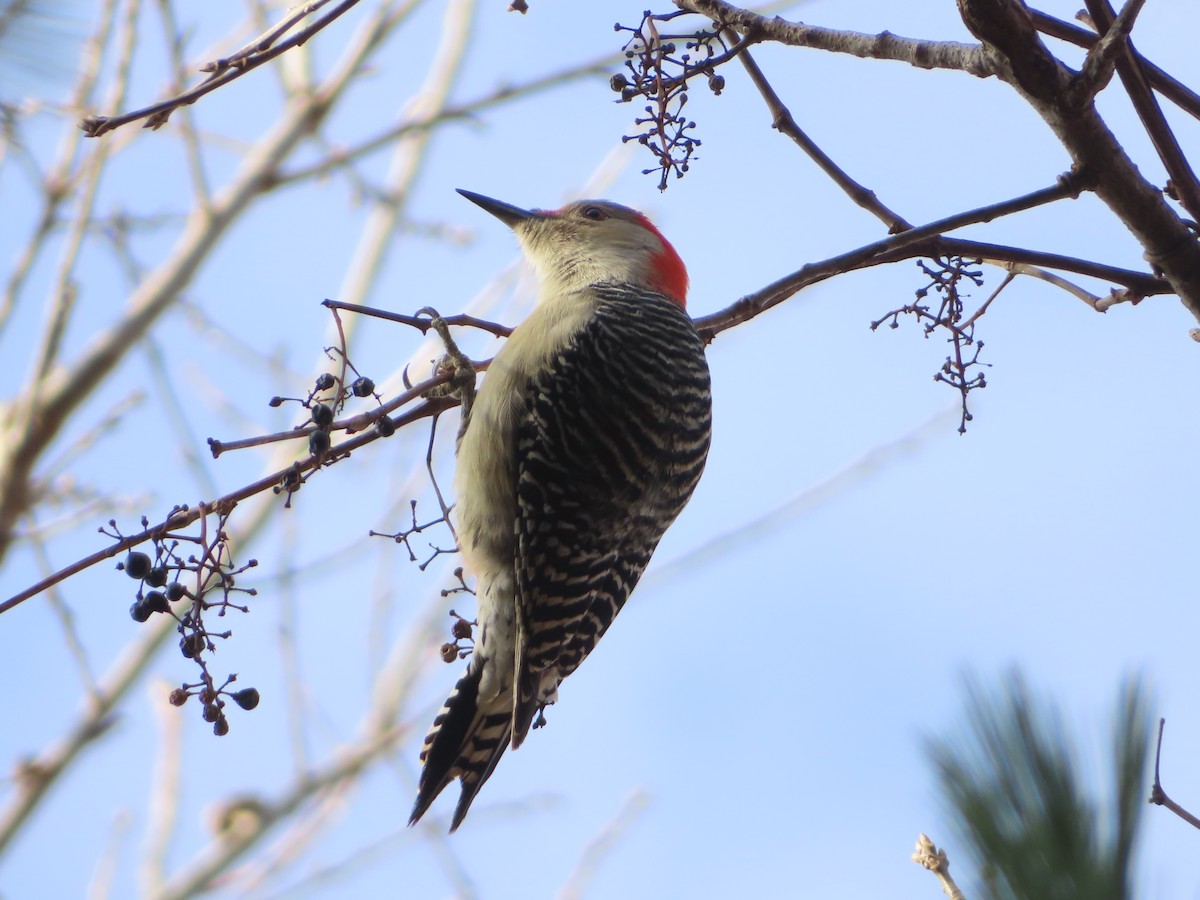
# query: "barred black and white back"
{"type": "Point", "coordinates": [612, 442]}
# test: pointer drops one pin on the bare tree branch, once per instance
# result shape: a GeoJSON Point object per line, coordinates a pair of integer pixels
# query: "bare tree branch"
{"type": "Point", "coordinates": [1062, 100]}
{"type": "Point", "coordinates": [223, 71]}
{"type": "Point", "coordinates": [1170, 87]}
{"type": "Point", "coordinates": [920, 53]}
{"type": "Point", "coordinates": [1157, 795]}
{"type": "Point", "coordinates": [1183, 184]}
{"type": "Point", "coordinates": [187, 515]}
{"type": "Point", "coordinates": [930, 857]}
{"type": "Point", "coordinates": [925, 240]}
{"type": "Point", "coordinates": [782, 120]}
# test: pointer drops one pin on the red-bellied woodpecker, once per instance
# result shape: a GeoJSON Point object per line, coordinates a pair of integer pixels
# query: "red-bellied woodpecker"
{"type": "Point", "coordinates": [586, 440]}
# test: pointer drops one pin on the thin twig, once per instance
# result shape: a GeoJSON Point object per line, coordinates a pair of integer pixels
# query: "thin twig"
{"type": "Point", "coordinates": [900, 246]}
{"type": "Point", "coordinates": [66, 619]}
{"type": "Point", "coordinates": [107, 866]}
{"type": "Point", "coordinates": [1157, 795]}
{"type": "Point", "coordinates": [933, 859]}
{"type": "Point", "coordinates": [729, 543]}
{"type": "Point", "coordinates": [298, 696]}
{"type": "Point", "coordinates": [156, 114]}
{"type": "Point", "coordinates": [983, 308]}
{"type": "Point", "coordinates": [1099, 304]}
{"type": "Point", "coordinates": [422, 323]}
{"type": "Point", "coordinates": [437, 490]}
{"type": "Point", "coordinates": [467, 111]}
{"type": "Point", "coordinates": [265, 40]}
{"type": "Point", "coordinates": [186, 517]}
{"type": "Point", "coordinates": [783, 121]}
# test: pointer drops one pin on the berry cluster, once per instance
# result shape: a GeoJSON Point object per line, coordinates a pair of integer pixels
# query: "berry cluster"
{"type": "Point", "coordinates": [962, 368]}
{"type": "Point", "coordinates": [323, 403]}
{"type": "Point", "coordinates": [190, 588]}
{"type": "Point", "coordinates": [463, 633]}
{"type": "Point", "coordinates": [212, 702]}
{"type": "Point", "coordinates": [660, 74]}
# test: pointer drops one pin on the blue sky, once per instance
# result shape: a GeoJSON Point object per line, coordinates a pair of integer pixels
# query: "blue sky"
{"type": "Point", "coordinates": [765, 701]}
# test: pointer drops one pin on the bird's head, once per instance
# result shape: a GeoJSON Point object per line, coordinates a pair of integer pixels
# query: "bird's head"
{"type": "Point", "coordinates": [592, 241]}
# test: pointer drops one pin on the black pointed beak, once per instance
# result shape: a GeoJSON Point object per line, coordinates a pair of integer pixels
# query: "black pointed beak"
{"type": "Point", "coordinates": [510, 215]}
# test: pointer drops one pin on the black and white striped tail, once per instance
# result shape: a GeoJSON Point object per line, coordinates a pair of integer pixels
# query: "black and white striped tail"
{"type": "Point", "coordinates": [464, 742]}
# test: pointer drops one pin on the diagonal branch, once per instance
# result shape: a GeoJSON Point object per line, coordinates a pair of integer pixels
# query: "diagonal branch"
{"type": "Point", "coordinates": [1023, 61]}
{"type": "Point", "coordinates": [223, 72]}
{"type": "Point", "coordinates": [1133, 77]}
{"type": "Point", "coordinates": [184, 517]}
{"type": "Point", "coordinates": [1157, 795]}
{"type": "Point", "coordinates": [925, 241]}
{"type": "Point", "coordinates": [1102, 56]}
{"type": "Point", "coordinates": [1167, 85]}
{"type": "Point", "coordinates": [785, 123]}
{"type": "Point", "coordinates": [251, 49]}
{"type": "Point", "coordinates": [1140, 284]}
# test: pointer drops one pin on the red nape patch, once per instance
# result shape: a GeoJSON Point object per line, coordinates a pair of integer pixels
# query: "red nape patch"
{"type": "Point", "coordinates": [669, 273]}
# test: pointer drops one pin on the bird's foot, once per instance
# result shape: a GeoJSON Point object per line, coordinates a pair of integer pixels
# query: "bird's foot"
{"type": "Point", "coordinates": [454, 363]}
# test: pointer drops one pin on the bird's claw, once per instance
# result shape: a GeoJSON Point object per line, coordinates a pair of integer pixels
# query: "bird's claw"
{"type": "Point", "coordinates": [454, 363]}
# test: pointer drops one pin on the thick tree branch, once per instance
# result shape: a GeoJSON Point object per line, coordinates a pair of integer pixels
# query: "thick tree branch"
{"type": "Point", "coordinates": [1133, 77]}
{"type": "Point", "coordinates": [1012, 50]}
{"type": "Point", "coordinates": [922, 54]}
{"type": "Point", "coordinates": [1022, 60]}
{"type": "Point", "coordinates": [1102, 57]}
{"type": "Point", "coordinates": [1167, 85]}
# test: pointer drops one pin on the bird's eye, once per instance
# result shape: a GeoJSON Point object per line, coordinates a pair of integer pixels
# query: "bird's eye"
{"type": "Point", "coordinates": [595, 213]}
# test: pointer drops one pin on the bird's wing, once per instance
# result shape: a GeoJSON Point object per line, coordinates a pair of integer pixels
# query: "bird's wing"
{"type": "Point", "coordinates": [614, 439]}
